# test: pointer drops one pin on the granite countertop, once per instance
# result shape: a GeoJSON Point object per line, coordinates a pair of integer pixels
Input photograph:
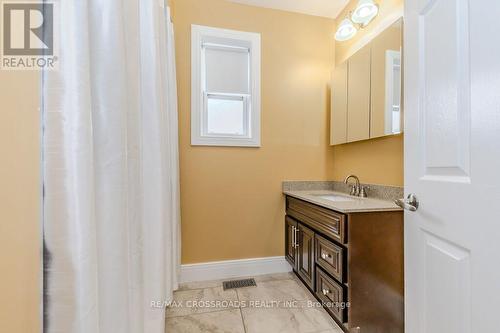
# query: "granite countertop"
{"type": "Point", "coordinates": [351, 205]}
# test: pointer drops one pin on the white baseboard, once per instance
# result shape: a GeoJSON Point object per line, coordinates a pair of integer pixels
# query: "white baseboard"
{"type": "Point", "coordinates": [217, 270]}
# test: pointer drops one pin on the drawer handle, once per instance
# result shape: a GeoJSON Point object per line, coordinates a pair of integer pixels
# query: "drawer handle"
{"type": "Point", "coordinates": [296, 231]}
{"type": "Point", "coordinates": [326, 255]}
{"type": "Point", "coordinates": [326, 292]}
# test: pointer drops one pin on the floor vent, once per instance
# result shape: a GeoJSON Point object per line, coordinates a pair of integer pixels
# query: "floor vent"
{"type": "Point", "coordinates": [238, 284]}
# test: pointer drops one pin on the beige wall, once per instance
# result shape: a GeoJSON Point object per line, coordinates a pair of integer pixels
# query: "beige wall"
{"type": "Point", "coordinates": [374, 161]}
{"type": "Point", "coordinates": [19, 202]}
{"type": "Point", "coordinates": [232, 206]}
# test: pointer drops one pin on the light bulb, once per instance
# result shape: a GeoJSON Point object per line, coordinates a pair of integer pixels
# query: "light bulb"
{"type": "Point", "coordinates": [365, 11]}
{"type": "Point", "coordinates": [346, 30]}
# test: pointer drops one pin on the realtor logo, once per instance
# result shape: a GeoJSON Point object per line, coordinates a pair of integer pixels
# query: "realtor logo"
{"type": "Point", "coordinates": [28, 35]}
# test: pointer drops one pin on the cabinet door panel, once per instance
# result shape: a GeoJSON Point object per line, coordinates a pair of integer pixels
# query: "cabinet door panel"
{"type": "Point", "coordinates": [305, 255]}
{"type": "Point", "coordinates": [290, 250]}
{"type": "Point", "coordinates": [358, 100]}
{"type": "Point", "coordinates": [338, 119]}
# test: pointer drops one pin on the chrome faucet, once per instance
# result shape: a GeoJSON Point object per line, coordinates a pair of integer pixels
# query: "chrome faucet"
{"type": "Point", "coordinates": [356, 189]}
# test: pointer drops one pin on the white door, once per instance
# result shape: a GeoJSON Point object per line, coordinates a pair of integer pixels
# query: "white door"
{"type": "Point", "coordinates": [452, 164]}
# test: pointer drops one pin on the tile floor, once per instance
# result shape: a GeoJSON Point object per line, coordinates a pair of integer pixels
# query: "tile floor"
{"type": "Point", "coordinates": [279, 303]}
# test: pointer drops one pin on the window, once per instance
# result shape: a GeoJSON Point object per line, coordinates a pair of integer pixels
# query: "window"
{"type": "Point", "coordinates": [225, 92]}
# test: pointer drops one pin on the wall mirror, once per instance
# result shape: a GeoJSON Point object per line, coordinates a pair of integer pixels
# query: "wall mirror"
{"type": "Point", "coordinates": [367, 90]}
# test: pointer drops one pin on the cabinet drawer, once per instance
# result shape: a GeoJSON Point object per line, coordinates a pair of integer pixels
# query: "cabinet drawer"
{"type": "Point", "coordinates": [326, 221]}
{"type": "Point", "coordinates": [330, 257]}
{"type": "Point", "coordinates": [332, 295]}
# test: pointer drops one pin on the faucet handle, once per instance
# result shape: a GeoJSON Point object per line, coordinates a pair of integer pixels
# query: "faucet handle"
{"type": "Point", "coordinates": [353, 190]}
{"type": "Point", "coordinates": [362, 191]}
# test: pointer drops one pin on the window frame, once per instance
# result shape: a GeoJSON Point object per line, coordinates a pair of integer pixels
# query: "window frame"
{"type": "Point", "coordinates": [199, 96]}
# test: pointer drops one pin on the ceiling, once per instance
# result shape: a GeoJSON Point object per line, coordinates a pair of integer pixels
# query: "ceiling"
{"type": "Point", "coordinates": [325, 8]}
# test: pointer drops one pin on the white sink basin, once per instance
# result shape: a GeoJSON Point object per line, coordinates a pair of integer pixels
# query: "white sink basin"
{"type": "Point", "coordinates": [334, 197]}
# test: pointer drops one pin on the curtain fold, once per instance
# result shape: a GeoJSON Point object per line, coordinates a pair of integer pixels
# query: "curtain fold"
{"type": "Point", "coordinates": [111, 175]}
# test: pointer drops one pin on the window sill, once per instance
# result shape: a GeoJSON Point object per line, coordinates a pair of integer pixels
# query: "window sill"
{"type": "Point", "coordinates": [225, 142]}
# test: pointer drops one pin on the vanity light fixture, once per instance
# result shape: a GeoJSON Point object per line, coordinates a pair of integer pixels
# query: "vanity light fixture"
{"type": "Point", "coordinates": [346, 30]}
{"type": "Point", "coordinates": [365, 12]}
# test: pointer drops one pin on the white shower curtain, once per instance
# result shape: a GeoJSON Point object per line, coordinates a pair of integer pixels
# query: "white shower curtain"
{"type": "Point", "coordinates": [110, 152]}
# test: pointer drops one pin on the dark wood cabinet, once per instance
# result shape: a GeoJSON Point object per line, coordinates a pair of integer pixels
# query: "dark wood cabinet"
{"type": "Point", "coordinates": [299, 249]}
{"type": "Point", "coordinates": [305, 255]}
{"type": "Point", "coordinates": [352, 263]}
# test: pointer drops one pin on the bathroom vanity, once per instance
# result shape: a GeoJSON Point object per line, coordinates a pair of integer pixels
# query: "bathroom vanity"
{"type": "Point", "coordinates": [349, 252]}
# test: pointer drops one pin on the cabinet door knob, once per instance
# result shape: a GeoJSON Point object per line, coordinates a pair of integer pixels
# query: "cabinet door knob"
{"type": "Point", "coordinates": [326, 292]}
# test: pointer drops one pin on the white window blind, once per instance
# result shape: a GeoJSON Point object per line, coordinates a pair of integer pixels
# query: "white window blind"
{"type": "Point", "coordinates": [227, 69]}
